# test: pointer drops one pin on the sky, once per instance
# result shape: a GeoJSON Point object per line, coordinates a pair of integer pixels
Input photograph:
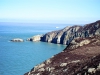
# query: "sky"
{"type": "Point", "coordinates": [50, 11]}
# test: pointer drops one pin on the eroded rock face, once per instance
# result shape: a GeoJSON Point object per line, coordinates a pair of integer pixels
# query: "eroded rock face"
{"type": "Point", "coordinates": [83, 59]}
{"type": "Point", "coordinates": [17, 40]}
{"type": "Point", "coordinates": [63, 36]}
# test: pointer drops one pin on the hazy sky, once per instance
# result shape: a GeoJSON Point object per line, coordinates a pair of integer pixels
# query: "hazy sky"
{"type": "Point", "coordinates": [50, 11]}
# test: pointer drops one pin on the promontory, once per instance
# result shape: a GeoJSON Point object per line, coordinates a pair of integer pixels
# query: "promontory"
{"type": "Point", "coordinates": [80, 57]}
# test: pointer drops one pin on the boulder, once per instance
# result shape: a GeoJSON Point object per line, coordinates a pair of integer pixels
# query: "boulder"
{"type": "Point", "coordinates": [17, 40]}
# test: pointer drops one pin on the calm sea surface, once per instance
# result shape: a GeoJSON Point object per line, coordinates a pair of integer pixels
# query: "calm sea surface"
{"type": "Point", "coordinates": [17, 58]}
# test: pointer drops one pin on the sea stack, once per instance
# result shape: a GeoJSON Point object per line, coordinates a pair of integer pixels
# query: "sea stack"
{"type": "Point", "coordinates": [17, 40]}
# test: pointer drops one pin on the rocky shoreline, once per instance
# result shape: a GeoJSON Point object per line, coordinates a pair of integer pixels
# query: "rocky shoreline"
{"type": "Point", "coordinates": [80, 57]}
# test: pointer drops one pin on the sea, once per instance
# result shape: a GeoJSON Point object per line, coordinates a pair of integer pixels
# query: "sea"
{"type": "Point", "coordinates": [17, 58]}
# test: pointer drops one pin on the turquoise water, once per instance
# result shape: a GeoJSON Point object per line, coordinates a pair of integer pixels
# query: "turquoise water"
{"type": "Point", "coordinates": [17, 58]}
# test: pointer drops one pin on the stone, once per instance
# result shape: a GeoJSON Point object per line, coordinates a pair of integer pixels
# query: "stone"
{"type": "Point", "coordinates": [50, 68]}
{"type": "Point", "coordinates": [98, 67]}
{"type": "Point", "coordinates": [41, 69]}
{"type": "Point", "coordinates": [75, 61]}
{"type": "Point", "coordinates": [91, 70]}
{"type": "Point", "coordinates": [48, 61]}
{"type": "Point", "coordinates": [84, 42]}
{"type": "Point", "coordinates": [39, 66]}
{"type": "Point", "coordinates": [63, 64]}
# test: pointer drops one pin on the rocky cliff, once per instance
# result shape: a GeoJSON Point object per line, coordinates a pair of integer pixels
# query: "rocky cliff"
{"type": "Point", "coordinates": [81, 57]}
{"type": "Point", "coordinates": [66, 35]}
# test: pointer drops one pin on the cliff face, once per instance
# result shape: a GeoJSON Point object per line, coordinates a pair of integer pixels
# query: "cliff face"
{"type": "Point", "coordinates": [81, 57]}
{"type": "Point", "coordinates": [66, 35]}
{"type": "Point", "coordinates": [63, 36]}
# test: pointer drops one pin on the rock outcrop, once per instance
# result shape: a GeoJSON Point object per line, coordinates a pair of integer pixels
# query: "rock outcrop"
{"type": "Point", "coordinates": [17, 40]}
{"type": "Point", "coordinates": [35, 38]}
{"type": "Point", "coordinates": [80, 57]}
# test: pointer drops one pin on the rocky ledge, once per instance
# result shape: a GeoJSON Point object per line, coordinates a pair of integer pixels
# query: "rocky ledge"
{"type": "Point", "coordinates": [80, 57]}
{"type": "Point", "coordinates": [17, 40]}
